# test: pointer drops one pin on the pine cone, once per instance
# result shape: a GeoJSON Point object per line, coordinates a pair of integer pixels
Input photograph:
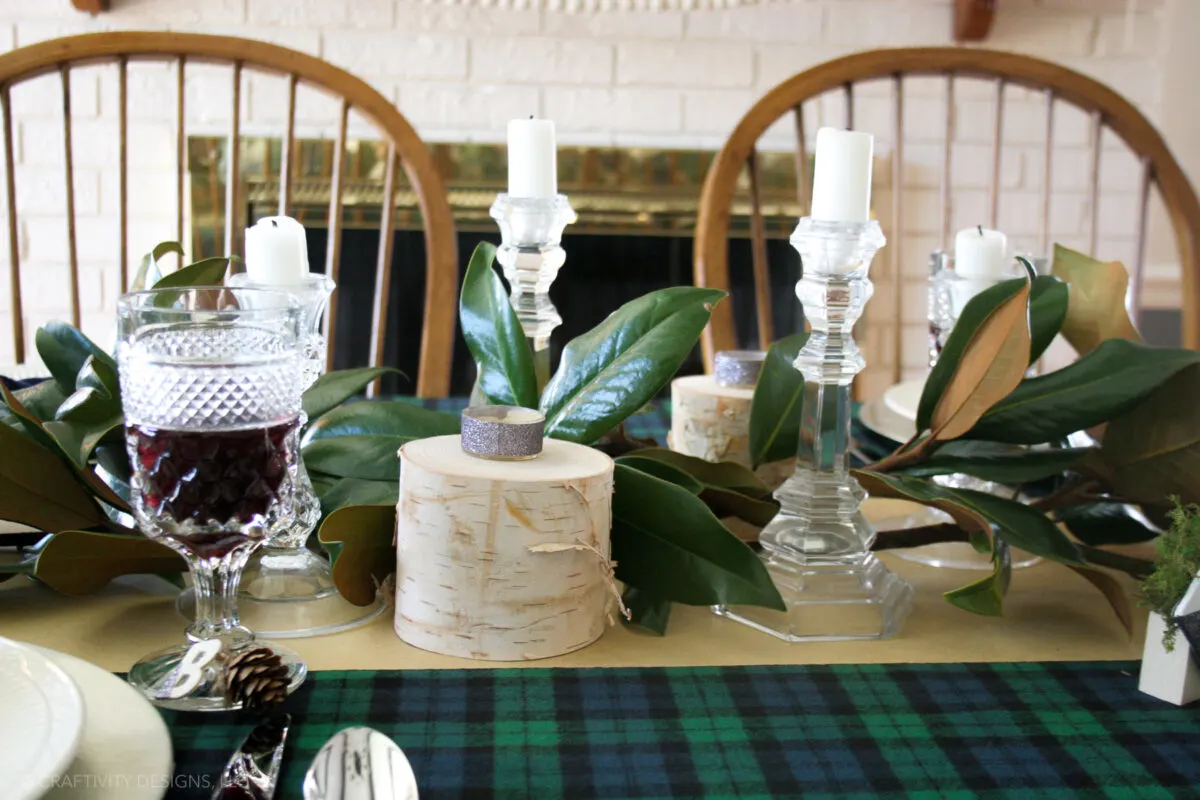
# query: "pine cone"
{"type": "Point", "coordinates": [257, 678]}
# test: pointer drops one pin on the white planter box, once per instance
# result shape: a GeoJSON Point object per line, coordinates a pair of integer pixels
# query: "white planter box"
{"type": "Point", "coordinates": [1168, 676]}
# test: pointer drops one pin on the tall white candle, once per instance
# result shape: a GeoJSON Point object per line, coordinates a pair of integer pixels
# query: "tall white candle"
{"type": "Point", "coordinates": [981, 253]}
{"type": "Point", "coordinates": [842, 176]}
{"type": "Point", "coordinates": [532, 159]}
{"type": "Point", "coordinates": [276, 252]}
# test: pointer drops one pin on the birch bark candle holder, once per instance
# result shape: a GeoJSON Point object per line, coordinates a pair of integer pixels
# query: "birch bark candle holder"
{"type": "Point", "coordinates": [710, 414]}
{"type": "Point", "coordinates": [501, 559]}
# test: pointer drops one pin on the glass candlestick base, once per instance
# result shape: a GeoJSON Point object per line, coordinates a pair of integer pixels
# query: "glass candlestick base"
{"type": "Point", "coordinates": [153, 674]}
{"type": "Point", "coordinates": [818, 548]}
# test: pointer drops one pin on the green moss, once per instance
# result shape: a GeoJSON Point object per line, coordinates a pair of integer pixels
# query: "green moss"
{"type": "Point", "coordinates": [1178, 562]}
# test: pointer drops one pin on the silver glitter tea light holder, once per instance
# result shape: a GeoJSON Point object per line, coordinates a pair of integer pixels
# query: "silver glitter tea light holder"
{"type": "Point", "coordinates": [738, 367]}
{"type": "Point", "coordinates": [503, 433]}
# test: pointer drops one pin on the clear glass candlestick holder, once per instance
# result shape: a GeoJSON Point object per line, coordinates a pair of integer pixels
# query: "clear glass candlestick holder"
{"type": "Point", "coordinates": [287, 590]}
{"type": "Point", "coordinates": [210, 388]}
{"type": "Point", "coordinates": [818, 547]}
{"type": "Point", "coordinates": [531, 254]}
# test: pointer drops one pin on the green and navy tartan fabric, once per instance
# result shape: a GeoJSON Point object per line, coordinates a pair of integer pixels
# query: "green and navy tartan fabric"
{"type": "Point", "coordinates": [946, 731]}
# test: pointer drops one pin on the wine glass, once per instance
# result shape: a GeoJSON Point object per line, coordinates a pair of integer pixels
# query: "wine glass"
{"type": "Point", "coordinates": [210, 385]}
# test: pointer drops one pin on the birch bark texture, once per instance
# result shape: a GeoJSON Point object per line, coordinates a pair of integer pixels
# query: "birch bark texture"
{"type": "Point", "coordinates": [503, 560]}
{"type": "Point", "coordinates": [712, 422]}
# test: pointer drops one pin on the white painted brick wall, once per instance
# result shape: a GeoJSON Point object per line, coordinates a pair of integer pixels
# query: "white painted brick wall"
{"type": "Point", "coordinates": [674, 79]}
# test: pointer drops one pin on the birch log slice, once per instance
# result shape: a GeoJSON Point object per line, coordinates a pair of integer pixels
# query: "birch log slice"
{"type": "Point", "coordinates": [712, 422]}
{"type": "Point", "coordinates": [503, 560]}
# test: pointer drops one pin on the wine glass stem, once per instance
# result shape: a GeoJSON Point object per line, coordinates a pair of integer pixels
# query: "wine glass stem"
{"type": "Point", "coordinates": [216, 582]}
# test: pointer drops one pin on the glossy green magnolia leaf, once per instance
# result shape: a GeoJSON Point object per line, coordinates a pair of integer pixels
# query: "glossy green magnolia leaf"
{"type": "Point", "coordinates": [334, 388]}
{"type": "Point", "coordinates": [384, 418]}
{"type": "Point", "coordinates": [613, 370]}
{"type": "Point", "coordinates": [1105, 523]}
{"type": "Point", "coordinates": [366, 456]}
{"type": "Point", "coordinates": [778, 399]}
{"type": "Point", "coordinates": [1152, 452]}
{"type": "Point", "coordinates": [667, 542]}
{"type": "Point", "coordinates": [714, 474]}
{"type": "Point", "coordinates": [358, 492]}
{"type": "Point", "coordinates": [1048, 300]}
{"type": "Point", "coordinates": [64, 350]}
{"type": "Point", "coordinates": [148, 273]}
{"type": "Point", "coordinates": [494, 334]}
{"type": "Point", "coordinates": [1105, 383]}
{"type": "Point", "coordinates": [998, 463]}
{"type": "Point", "coordinates": [986, 595]}
{"type": "Point", "coordinates": [81, 562]}
{"type": "Point", "coordinates": [42, 399]}
{"type": "Point", "coordinates": [96, 400]}
{"type": "Point", "coordinates": [39, 490]}
{"type": "Point", "coordinates": [663, 470]}
{"type": "Point", "coordinates": [1011, 521]}
{"type": "Point", "coordinates": [975, 314]}
{"type": "Point", "coordinates": [647, 611]}
{"type": "Point", "coordinates": [359, 542]}
{"type": "Point", "coordinates": [208, 272]}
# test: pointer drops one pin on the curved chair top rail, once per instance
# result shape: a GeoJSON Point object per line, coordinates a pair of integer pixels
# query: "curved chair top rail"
{"type": "Point", "coordinates": [1106, 107]}
{"type": "Point", "coordinates": [404, 145]}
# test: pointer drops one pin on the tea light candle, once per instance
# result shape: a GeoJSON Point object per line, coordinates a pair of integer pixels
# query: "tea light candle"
{"type": "Point", "coordinates": [276, 252]}
{"type": "Point", "coordinates": [842, 176]}
{"type": "Point", "coordinates": [507, 433]}
{"type": "Point", "coordinates": [532, 159]}
{"type": "Point", "coordinates": [980, 253]}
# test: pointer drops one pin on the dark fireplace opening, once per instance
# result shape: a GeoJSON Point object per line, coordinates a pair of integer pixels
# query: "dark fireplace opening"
{"type": "Point", "coordinates": [602, 272]}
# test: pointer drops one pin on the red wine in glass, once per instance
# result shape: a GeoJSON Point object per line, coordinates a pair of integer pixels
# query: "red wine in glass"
{"type": "Point", "coordinates": [221, 480]}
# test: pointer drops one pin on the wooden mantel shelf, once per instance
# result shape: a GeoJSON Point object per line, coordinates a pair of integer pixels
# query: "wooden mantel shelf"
{"type": "Point", "coordinates": [91, 6]}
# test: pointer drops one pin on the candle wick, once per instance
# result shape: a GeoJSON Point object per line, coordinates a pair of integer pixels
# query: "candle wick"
{"type": "Point", "coordinates": [531, 116]}
{"type": "Point", "coordinates": [980, 229]}
{"type": "Point", "coordinates": [274, 223]}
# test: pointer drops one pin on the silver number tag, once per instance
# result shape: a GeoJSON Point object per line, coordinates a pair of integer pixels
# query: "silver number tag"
{"type": "Point", "coordinates": [190, 671]}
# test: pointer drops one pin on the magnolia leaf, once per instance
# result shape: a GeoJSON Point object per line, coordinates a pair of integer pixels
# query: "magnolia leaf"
{"type": "Point", "coordinates": [81, 562]}
{"type": "Point", "coordinates": [334, 388]}
{"type": "Point", "coordinates": [666, 541]}
{"type": "Point", "coordinates": [494, 334]}
{"type": "Point", "coordinates": [992, 365]}
{"type": "Point", "coordinates": [647, 611]}
{"type": "Point", "coordinates": [999, 463]}
{"type": "Point", "coordinates": [986, 595]}
{"type": "Point", "coordinates": [1105, 523]}
{"type": "Point", "coordinates": [715, 474]}
{"type": "Point", "coordinates": [613, 370]}
{"type": "Point", "coordinates": [1107, 382]}
{"type": "Point", "coordinates": [927, 493]}
{"type": "Point", "coordinates": [383, 417]}
{"type": "Point", "coordinates": [1048, 302]}
{"type": "Point", "coordinates": [208, 272]}
{"type": "Point", "coordinates": [42, 399]}
{"type": "Point", "coordinates": [778, 398]}
{"type": "Point", "coordinates": [1113, 592]}
{"type": "Point", "coordinates": [358, 492]}
{"type": "Point", "coordinates": [662, 469]}
{"type": "Point", "coordinates": [1096, 310]}
{"type": "Point", "coordinates": [64, 350]}
{"type": "Point", "coordinates": [359, 540]}
{"type": "Point", "coordinates": [39, 490]}
{"type": "Point", "coordinates": [148, 273]}
{"type": "Point", "coordinates": [366, 456]}
{"type": "Point", "coordinates": [1153, 451]}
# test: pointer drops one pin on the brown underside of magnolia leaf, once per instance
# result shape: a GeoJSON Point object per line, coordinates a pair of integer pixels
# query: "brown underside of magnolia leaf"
{"type": "Point", "coordinates": [1096, 305]}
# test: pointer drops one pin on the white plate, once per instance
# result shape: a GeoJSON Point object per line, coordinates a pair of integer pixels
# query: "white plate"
{"type": "Point", "coordinates": [878, 418]}
{"type": "Point", "coordinates": [41, 721]}
{"type": "Point", "coordinates": [904, 398]}
{"type": "Point", "coordinates": [125, 753]}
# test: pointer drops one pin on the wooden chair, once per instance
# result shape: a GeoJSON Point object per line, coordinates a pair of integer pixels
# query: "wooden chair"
{"type": "Point", "coordinates": [1105, 108]}
{"type": "Point", "coordinates": [404, 147]}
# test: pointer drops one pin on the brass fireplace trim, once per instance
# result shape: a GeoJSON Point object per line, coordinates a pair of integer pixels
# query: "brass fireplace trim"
{"type": "Point", "coordinates": [632, 191]}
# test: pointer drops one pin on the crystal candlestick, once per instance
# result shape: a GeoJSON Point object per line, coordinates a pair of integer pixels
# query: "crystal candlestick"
{"type": "Point", "coordinates": [287, 590]}
{"type": "Point", "coordinates": [818, 548]}
{"type": "Point", "coordinates": [531, 254]}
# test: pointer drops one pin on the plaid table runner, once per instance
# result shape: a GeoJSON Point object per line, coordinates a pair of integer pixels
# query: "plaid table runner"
{"type": "Point", "coordinates": [952, 731]}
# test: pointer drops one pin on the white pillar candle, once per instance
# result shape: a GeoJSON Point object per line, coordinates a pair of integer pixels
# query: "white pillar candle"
{"type": "Point", "coordinates": [532, 159]}
{"type": "Point", "coordinates": [981, 253]}
{"type": "Point", "coordinates": [276, 252]}
{"type": "Point", "coordinates": [842, 176]}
